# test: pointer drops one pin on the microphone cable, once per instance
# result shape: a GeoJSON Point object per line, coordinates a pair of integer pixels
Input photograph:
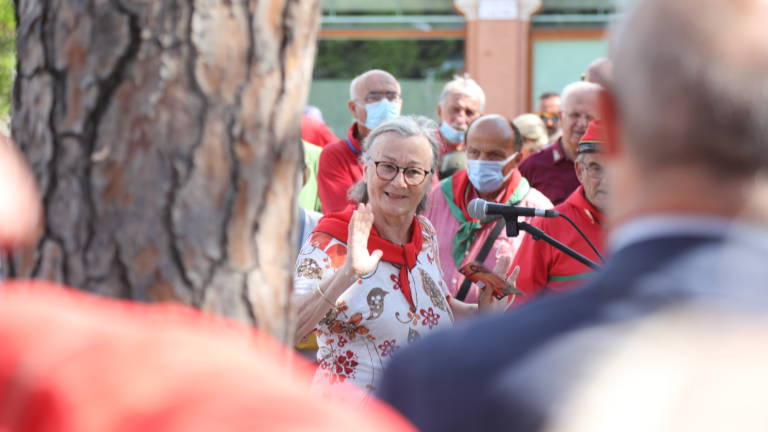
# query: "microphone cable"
{"type": "Point", "coordinates": [583, 236]}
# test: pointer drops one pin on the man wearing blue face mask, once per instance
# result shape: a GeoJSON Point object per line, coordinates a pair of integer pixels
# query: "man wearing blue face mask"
{"type": "Point", "coordinates": [374, 98]}
{"type": "Point", "coordinates": [461, 102]}
{"type": "Point", "coordinates": [493, 155]}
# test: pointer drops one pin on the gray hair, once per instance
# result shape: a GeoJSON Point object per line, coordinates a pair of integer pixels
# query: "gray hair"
{"type": "Point", "coordinates": [463, 84]}
{"type": "Point", "coordinates": [406, 127]}
{"type": "Point", "coordinates": [574, 88]}
{"type": "Point", "coordinates": [698, 98]}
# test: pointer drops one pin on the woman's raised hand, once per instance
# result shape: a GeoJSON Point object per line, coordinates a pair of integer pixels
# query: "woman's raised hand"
{"type": "Point", "coordinates": [359, 261]}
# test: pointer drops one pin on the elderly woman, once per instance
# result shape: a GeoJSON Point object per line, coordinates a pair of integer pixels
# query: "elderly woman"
{"type": "Point", "coordinates": [534, 133]}
{"type": "Point", "coordinates": [368, 280]}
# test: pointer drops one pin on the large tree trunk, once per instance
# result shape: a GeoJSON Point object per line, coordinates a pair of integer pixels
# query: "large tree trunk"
{"type": "Point", "coordinates": [165, 139]}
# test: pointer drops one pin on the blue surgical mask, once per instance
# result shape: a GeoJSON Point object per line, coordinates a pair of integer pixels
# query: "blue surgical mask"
{"type": "Point", "coordinates": [381, 111]}
{"type": "Point", "coordinates": [487, 176]}
{"type": "Point", "coordinates": [449, 133]}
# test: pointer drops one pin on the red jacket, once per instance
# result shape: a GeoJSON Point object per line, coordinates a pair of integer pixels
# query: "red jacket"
{"type": "Point", "coordinates": [544, 267]}
{"type": "Point", "coordinates": [315, 131]}
{"type": "Point", "coordinates": [338, 170]}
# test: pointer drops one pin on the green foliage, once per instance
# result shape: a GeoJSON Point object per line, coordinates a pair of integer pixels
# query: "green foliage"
{"type": "Point", "coordinates": [7, 54]}
{"type": "Point", "coordinates": [418, 59]}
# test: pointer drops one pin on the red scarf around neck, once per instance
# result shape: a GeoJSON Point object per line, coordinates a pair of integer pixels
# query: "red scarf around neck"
{"type": "Point", "coordinates": [337, 225]}
{"type": "Point", "coordinates": [461, 185]}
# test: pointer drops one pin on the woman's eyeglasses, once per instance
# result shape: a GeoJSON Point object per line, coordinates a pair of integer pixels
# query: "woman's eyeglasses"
{"type": "Point", "coordinates": [388, 171]}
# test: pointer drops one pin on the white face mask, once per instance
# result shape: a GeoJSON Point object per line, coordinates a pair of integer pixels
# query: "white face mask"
{"type": "Point", "coordinates": [487, 176]}
{"type": "Point", "coordinates": [380, 112]}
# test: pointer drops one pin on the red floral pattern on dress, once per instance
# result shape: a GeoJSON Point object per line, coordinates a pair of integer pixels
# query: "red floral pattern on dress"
{"type": "Point", "coordinates": [337, 254]}
{"type": "Point", "coordinates": [388, 347]}
{"type": "Point", "coordinates": [320, 240]}
{"type": "Point", "coordinates": [342, 341]}
{"type": "Point", "coordinates": [344, 365]}
{"type": "Point", "coordinates": [351, 327]}
{"type": "Point", "coordinates": [393, 278]}
{"type": "Point", "coordinates": [430, 318]}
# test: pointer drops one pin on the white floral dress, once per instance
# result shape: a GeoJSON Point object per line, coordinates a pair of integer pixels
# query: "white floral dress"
{"type": "Point", "coordinates": [372, 319]}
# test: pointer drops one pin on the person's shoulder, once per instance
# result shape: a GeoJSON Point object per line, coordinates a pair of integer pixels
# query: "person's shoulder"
{"type": "Point", "coordinates": [536, 160]}
{"type": "Point", "coordinates": [334, 148]}
{"type": "Point", "coordinates": [333, 155]}
{"type": "Point", "coordinates": [437, 190]}
{"type": "Point", "coordinates": [472, 356]}
{"type": "Point", "coordinates": [537, 199]}
{"type": "Point", "coordinates": [311, 150]}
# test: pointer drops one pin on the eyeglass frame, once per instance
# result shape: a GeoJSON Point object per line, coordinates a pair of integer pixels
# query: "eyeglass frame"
{"type": "Point", "coordinates": [595, 172]}
{"type": "Point", "coordinates": [375, 96]}
{"type": "Point", "coordinates": [400, 169]}
{"type": "Point", "coordinates": [548, 116]}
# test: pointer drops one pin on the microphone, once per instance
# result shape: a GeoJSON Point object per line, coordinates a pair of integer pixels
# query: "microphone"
{"type": "Point", "coordinates": [479, 208]}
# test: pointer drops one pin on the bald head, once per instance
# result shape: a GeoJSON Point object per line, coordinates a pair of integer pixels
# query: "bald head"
{"type": "Point", "coordinates": [492, 138]}
{"type": "Point", "coordinates": [496, 128]}
{"type": "Point", "coordinates": [688, 94]}
{"type": "Point", "coordinates": [600, 71]}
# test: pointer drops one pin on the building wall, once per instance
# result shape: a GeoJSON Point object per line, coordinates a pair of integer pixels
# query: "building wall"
{"type": "Point", "coordinates": [557, 62]}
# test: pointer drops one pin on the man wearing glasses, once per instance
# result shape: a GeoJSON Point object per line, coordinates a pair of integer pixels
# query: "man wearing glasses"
{"type": "Point", "coordinates": [542, 267]}
{"type": "Point", "coordinates": [374, 98]}
{"type": "Point", "coordinates": [549, 111]}
{"type": "Point", "coordinates": [493, 154]}
{"type": "Point", "coordinates": [551, 170]}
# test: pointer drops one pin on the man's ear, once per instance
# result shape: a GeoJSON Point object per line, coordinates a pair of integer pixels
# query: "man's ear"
{"type": "Point", "coordinates": [518, 157]}
{"type": "Point", "coordinates": [351, 107]}
{"type": "Point", "coordinates": [577, 165]}
{"type": "Point", "coordinates": [609, 112]}
{"type": "Point", "coordinates": [439, 112]}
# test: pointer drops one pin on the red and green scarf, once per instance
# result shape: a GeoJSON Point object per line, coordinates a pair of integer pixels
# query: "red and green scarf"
{"type": "Point", "coordinates": [337, 225]}
{"type": "Point", "coordinates": [456, 190]}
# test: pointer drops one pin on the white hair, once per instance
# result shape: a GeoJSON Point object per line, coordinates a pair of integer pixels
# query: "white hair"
{"type": "Point", "coordinates": [574, 88]}
{"type": "Point", "coordinates": [356, 80]}
{"type": "Point", "coordinates": [463, 84]}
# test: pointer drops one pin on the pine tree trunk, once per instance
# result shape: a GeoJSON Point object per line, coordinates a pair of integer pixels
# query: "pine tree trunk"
{"type": "Point", "coordinates": [165, 139]}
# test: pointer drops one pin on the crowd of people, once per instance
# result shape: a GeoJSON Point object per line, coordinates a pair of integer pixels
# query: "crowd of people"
{"type": "Point", "coordinates": [404, 184]}
{"type": "Point", "coordinates": [658, 155]}
{"type": "Point", "coordinates": [621, 156]}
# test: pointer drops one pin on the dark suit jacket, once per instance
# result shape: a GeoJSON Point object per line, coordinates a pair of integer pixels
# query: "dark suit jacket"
{"type": "Point", "coordinates": [459, 380]}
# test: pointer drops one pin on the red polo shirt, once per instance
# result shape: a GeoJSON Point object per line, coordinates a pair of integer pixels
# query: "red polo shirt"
{"type": "Point", "coordinates": [338, 170]}
{"type": "Point", "coordinates": [544, 267]}
{"type": "Point", "coordinates": [551, 172]}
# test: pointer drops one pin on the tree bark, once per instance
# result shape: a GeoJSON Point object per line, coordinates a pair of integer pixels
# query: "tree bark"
{"type": "Point", "coordinates": [165, 139]}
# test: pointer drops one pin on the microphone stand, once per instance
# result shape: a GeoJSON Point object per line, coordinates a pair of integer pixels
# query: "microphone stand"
{"type": "Point", "coordinates": [513, 229]}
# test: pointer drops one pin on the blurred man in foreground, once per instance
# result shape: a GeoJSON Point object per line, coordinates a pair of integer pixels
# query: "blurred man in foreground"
{"type": "Point", "coordinates": [688, 207]}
